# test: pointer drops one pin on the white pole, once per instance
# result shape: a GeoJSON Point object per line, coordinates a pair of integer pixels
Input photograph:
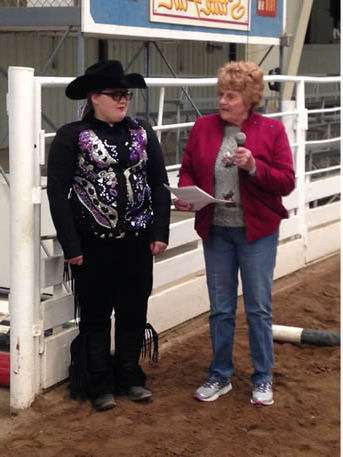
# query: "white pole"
{"type": "Point", "coordinates": [301, 127]}
{"type": "Point", "coordinates": [296, 49]}
{"type": "Point", "coordinates": [22, 226]}
{"type": "Point", "coordinates": [160, 113]}
{"type": "Point", "coordinates": [39, 346]}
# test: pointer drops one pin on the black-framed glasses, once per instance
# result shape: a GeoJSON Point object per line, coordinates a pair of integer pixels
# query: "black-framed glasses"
{"type": "Point", "coordinates": [118, 95]}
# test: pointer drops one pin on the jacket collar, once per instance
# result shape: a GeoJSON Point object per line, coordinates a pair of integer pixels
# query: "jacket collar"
{"type": "Point", "coordinates": [253, 118]}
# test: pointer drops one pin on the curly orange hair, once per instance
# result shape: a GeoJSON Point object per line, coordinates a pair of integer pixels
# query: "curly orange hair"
{"type": "Point", "coordinates": [244, 77]}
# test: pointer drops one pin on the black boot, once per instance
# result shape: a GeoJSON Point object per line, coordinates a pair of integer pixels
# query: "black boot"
{"type": "Point", "coordinates": [103, 402]}
{"type": "Point", "coordinates": [138, 393]}
{"type": "Point", "coordinates": [90, 369]}
{"type": "Point", "coordinates": [99, 368]}
{"type": "Point", "coordinates": [128, 375]}
{"type": "Point", "coordinates": [78, 369]}
{"type": "Point", "coordinates": [127, 371]}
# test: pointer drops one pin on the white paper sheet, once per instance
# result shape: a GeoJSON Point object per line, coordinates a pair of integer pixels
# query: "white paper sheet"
{"type": "Point", "coordinates": [198, 197]}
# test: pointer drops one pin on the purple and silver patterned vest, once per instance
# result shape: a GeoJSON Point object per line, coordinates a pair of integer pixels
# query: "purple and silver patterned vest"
{"type": "Point", "coordinates": [110, 190]}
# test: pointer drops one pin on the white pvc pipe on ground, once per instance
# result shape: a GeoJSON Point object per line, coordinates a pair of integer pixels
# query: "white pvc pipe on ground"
{"type": "Point", "coordinates": [305, 336]}
{"type": "Point", "coordinates": [22, 226]}
{"type": "Point", "coordinates": [285, 333]}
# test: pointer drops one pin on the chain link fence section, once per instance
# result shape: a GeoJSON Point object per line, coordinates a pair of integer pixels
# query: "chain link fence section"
{"type": "Point", "coordinates": [37, 3]}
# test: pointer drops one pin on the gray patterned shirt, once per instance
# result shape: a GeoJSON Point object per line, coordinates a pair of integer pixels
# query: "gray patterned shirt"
{"type": "Point", "coordinates": [227, 184]}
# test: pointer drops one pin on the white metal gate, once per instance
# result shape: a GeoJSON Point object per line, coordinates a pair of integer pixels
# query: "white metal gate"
{"type": "Point", "coordinates": [41, 307]}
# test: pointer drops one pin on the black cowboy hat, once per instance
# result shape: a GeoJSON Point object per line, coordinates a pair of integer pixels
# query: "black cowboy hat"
{"type": "Point", "coordinates": [103, 75]}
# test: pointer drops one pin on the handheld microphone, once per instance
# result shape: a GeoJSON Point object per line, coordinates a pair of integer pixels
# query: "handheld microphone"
{"type": "Point", "coordinates": [240, 139]}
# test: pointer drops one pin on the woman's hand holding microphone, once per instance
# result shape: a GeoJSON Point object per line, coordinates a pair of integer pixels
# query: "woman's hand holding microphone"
{"type": "Point", "coordinates": [243, 158]}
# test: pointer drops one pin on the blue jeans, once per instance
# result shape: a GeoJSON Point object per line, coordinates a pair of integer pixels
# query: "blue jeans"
{"type": "Point", "coordinates": [227, 251]}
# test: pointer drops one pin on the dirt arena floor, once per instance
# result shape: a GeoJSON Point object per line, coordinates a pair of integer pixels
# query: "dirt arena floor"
{"type": "Point", "coordinates": [304, 420]}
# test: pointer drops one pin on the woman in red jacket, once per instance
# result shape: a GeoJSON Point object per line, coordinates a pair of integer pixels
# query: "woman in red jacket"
{"type": "Point", "coordinates": [243, 234]}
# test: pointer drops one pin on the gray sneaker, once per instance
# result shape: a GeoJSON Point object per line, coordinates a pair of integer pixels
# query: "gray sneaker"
{"type": "Point", "coordinates": [262, 394]}
{"type": "Point", "coordinates": [212, 389]}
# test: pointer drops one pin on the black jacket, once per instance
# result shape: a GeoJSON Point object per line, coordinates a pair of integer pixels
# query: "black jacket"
{"type": "Point", "coordinates": [105, 181]}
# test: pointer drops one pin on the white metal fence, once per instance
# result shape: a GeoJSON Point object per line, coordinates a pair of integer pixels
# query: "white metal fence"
{"type": "Point", "coordinates": [41, 306]}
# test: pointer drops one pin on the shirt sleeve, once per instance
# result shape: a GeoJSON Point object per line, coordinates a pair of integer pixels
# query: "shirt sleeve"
{"type": "Point", "coordinates": [61, 169]}
{"type": "Point", "coordinates": [160, 196]}
{"type": "Point", "coordinates": [278, 176]}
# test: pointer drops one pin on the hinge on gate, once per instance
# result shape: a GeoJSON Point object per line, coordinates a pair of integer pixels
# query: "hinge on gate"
{"type": "Point", "coordinates": [38, 328]}
{"type": "Point", "coordinates": [37, 195]}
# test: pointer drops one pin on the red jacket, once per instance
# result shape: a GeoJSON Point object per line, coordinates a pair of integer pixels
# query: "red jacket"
{"type": "Point", "coordinates": [260, 194]}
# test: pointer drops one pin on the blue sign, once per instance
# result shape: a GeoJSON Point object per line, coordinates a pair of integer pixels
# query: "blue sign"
{"type": "Point", "coordinates": [236, 21]}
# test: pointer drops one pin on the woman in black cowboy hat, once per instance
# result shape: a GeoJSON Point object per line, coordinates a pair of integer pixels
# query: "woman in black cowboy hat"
{"type": "Point", "coordinates": [111, 213]}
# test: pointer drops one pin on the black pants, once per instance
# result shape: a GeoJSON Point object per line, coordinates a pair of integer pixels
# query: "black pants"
{"type": "Point", "coordinates": [115, 275]}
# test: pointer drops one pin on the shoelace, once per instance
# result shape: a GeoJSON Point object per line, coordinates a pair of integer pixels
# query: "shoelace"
{"type": "Point", "coordinates": [212, 383]}
{"type": "Point", "coordinates": [264, 387]}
